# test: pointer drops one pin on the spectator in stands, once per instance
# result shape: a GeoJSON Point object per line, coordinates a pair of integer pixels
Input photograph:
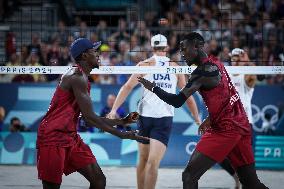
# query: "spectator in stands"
{"type": "Point", "coordinates": [94, 37]}
{"type": "Point", "coordinates": [35, 47]}
{"type": "Point", "coordinates": [62, 33]}
{"type": "Point", "coordinates": [142, 32]}
{"type": "Point", "coordinates": [82, 126]}
{"type": "Point", "coordinates": [265, 56]}
{"type": "Point", "coordinates": [24, 55]}
{"type": "Point", "coordinates": [224, 56]}
{"type": "Point", "coordinates": [205, 31]}
{"type": "Point", "coordinates": [84, 32]}
{"type": "Point", "coordinates": [17, 126]}
{"type": "Point", "coordinates": [119, 113]}
{"type": "Point", "coordinates": [173, 44]}
{"type": "Point", "coordinates": [70, 40]}
{"type": "Point", "coordinates": [13, 61]}
{"type": "Point", "coordinates": [134, 46]}
{"type": "Point", "coordinates": [53, 53]}
{"type": "Point", "coordinates": [33, 60]}
{"type": "Point", "coordinates": [214, 49]}
{"type": "Point", "coordinates": [53, 57]}
{"type": "Point", "coordinates": [10, 44]}
{"type": "Point", "coordinates": [105, 61]}
{"type": "Point", "coordinates": [107, 79]}
{"type": "Point", "coordinates": [115, 61]}
{"type": "Point", "coordinates": [104, 57]}
{"type": "Point", "coordinates": [123, 49]}
{"type": "Point", "coordinates": [2, 116]}
{"type": "Point", "coordinates": [122, 33]}
{"type": "Point", "coordinates": [102, 31]}
{"type": "Point", "coordinates": [65, 58]}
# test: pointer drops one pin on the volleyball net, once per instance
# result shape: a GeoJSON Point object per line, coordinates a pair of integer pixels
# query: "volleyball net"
{"type": "Point", "coordinates": [256, 70]}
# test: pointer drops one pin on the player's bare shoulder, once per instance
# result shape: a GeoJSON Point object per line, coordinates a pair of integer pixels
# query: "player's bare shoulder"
{"type": "Point", "coordinates": [72, 76]}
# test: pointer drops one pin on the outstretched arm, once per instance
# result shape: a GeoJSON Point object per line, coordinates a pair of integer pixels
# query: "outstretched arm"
{"type": "Point", "coordinates": [176, 100]}
{"type": "Point", "coordinates": [249, 79]}
{"type": "Point", "coordinates": [80, 90]}
{"type": "Point", "coordinates": [206, 76]}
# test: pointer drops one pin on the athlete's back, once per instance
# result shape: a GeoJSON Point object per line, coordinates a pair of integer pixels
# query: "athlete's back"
{"type": "Point", "coordinates": [150, 103]}
{"type": "Point", "coordinates": [223, 102]}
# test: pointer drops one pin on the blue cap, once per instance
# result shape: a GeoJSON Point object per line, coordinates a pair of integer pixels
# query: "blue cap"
{"type": "Point", "coordinates": [81, 45]}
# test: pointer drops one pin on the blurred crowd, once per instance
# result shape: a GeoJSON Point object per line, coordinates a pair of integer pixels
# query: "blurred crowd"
{"type": "Point", "coordinates": [253, 25]}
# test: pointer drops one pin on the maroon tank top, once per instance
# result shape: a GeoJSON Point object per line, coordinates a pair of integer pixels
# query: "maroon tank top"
{"type": "Point", "coordinates": [224, 105]}
{"type": "Point", "coordinates": [59, 126]}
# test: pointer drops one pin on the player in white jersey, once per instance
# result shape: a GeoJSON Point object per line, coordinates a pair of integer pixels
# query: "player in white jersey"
{"type": "Point", "coordinates": [244, 85]}
{"type": "Point", "coordinates": [156, 116]}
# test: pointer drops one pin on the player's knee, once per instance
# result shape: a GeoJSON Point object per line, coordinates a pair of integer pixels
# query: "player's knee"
{"type": "Point", "coordinates": [143, 160]}
{"type": "Point", "coordinates": [153, 163]}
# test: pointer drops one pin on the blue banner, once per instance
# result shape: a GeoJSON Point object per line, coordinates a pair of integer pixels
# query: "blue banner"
{"type": "Point", "coordinates": [20, 148]}
{"type": "Point", "coordinates": [269, 152]}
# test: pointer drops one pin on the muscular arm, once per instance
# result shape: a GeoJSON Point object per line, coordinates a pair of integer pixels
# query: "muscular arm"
{"type": "Point", "coordinates": [177, 100]}
{"type": "Point", "coordinates": [206, 76]}
{"type": "Point", "coordinates": [79, 88]}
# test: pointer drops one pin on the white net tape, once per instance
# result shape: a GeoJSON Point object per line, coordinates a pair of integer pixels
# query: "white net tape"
{"type": "Point", "coordinates": [138, 70]}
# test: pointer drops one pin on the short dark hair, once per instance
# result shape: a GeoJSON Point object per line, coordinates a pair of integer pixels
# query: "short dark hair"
{"type": "Point", "coordinates": [194, 36]}
{"type": "Point", "coordinates": [14, 119]}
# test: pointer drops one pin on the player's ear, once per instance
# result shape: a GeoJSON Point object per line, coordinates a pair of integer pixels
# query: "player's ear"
{"type": "Point", "coordinates": [198, 44]}
{"type": "Point", "coordinates": [195, 44]}
{"type": "Point", "coordinates": [84, 56]}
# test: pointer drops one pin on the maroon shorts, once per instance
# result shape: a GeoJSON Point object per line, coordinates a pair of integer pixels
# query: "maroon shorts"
{"type": "Point", "coordinates": [218, 146]}
{"type": "Point", "coordinates": [53, 161]}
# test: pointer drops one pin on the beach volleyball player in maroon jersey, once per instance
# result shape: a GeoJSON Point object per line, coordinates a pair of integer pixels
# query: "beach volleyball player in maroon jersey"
{"type": "Point", "coordinates": [227, 132]}
{"type": "Point", "coordinates": [60, 148]}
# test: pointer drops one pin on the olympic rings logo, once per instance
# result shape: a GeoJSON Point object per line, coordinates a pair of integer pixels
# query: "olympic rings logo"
{"type": "Point", "coordinates": [259, 115]}
{"type": "Point", "coordinates": [190, 147]}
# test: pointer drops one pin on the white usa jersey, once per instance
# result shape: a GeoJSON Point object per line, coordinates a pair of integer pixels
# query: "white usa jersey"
{"type": "Point", "coordinates": [245, 93]}
{"type": "Point", "coordinates": [150, 104]}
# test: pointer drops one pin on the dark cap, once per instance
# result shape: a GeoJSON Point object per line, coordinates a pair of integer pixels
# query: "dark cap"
{"type": "Point", "coordinates": [81, 45]}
